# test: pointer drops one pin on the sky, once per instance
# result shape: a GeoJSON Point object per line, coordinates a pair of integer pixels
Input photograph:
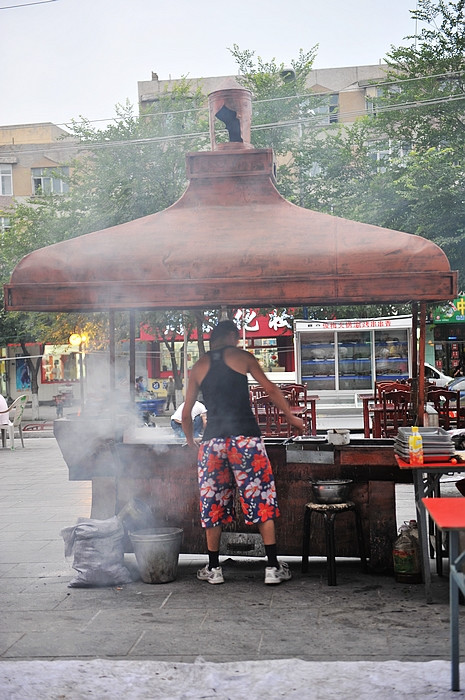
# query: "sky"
{"type": "Point", "coordinates": [66, 59]}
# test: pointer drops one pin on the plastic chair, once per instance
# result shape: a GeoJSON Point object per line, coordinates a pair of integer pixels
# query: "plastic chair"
{"type": "Point", "coordinates": [17, 408]}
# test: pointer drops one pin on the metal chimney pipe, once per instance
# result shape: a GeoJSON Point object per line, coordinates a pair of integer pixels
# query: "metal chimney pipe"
{"type": "Point", "coordinates": [233, 106]}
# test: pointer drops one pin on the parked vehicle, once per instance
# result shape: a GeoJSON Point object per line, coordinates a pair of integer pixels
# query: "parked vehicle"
{"type": "Point", "coordinates": [458, 385]}
{"type": "Point", "coordinates": [435, 376]}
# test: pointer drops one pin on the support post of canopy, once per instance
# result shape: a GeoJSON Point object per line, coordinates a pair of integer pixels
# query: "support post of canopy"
{"type": "Point", "coordinates": [421, 363]}
{"type": "Point", "coordinates": [132, 354]}
{"type": "Point", "coordinates": [111, 321]}
{"type": "Point", "coordinates": [414, 356]}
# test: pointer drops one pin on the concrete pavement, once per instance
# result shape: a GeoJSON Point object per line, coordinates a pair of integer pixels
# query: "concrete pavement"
{"type": "Point", "coordinates": [365, 618]}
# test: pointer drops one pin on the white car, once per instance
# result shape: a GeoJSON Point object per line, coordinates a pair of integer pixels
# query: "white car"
{"type": "Point", "coordinates": [435, 376]}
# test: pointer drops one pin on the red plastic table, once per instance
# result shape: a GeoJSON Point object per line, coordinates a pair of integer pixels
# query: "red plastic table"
{"type": "Point", "coordinates": [449, 515]}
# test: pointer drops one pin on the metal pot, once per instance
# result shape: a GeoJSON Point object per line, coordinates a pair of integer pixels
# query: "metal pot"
{"type": "Point", "coordinates": [331, 490]}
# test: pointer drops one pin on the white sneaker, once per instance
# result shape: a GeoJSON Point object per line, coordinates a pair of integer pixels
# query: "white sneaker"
{"type": "Point", "coordinates": [274, 575]}
{"type": "Point", "coordinates": [211, 575]}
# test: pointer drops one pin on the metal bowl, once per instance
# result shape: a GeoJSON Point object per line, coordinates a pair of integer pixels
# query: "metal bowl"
{"type": "Point", "coordinates": [331, 490]}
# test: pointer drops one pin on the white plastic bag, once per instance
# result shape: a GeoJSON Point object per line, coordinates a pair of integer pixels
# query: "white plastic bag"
{"type": "Point", "coordinates": [98, 551]}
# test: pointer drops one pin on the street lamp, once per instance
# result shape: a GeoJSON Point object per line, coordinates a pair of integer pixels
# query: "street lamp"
{"type": "Point", "coordinates": [77, 340]}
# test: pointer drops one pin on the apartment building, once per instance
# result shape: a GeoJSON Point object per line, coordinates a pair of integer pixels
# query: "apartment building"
{"type": "Point", "coordinates": [32, 158]}
{"type": "Point", "coordinates": [349, 90]}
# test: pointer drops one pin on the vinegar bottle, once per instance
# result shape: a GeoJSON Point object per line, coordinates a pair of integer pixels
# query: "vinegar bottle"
{"type": "Point", "coordinates": [406, 557]}
{"type": "Point", "coordinates": [415, 447]}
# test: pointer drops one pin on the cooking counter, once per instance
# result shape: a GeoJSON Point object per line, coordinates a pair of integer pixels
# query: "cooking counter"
{"type": "Point", "coordinates": [153, 465]}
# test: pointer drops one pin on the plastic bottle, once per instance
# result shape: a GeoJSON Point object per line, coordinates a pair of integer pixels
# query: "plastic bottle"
{"type": "Point", "coordinates": [406, 557]}
{"type": "Point", "coordinates": [415, 447]}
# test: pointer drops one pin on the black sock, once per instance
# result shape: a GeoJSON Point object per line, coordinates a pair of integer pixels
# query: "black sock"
{"type": "Point", "coordinates": [271, 553]}
{"type": "Point", "coordinates": [213, 559]}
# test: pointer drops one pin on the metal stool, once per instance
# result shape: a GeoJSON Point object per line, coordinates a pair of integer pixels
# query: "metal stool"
{"type": "Point", "coordinates": [329, 512]}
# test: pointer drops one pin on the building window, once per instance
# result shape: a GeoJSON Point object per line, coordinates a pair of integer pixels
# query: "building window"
{"type": "Point", "coordinates": [397, 151]}
{"type": "Point", "coordinates": [4, 223]}
{"type": "Point", "coordinates": [374, 95]}
{"type": "Point", "coordinates": [48, 181]}
{"type": "Point", "coordinates": [333, 108]}
{"type": "Point", "coordinates": [328, 113]}
{"type": "Point", "coordinates": [6, 180]}
{"type": "Point", "coordinates": [381, 157]}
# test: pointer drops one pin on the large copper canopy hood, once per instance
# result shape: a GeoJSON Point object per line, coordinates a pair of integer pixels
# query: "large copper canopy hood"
{"type": "Point", "coordinates": [231, 240]}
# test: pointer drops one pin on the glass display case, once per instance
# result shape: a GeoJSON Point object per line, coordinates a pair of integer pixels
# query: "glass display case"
{"type": "Point", "coordinates": [318, 361]}
{"type": "Point", "coordinates": [354, 360]}
{"type": "Point", "coordinates": [351, 355]}
{"type": "Point", "coordinates": [391, 355]}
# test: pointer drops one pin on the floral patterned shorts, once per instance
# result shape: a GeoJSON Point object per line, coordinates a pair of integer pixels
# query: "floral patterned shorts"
{"type": "Point", "coordinates": [223, 464]}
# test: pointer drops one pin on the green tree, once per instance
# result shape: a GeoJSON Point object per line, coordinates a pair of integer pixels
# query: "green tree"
{"type": "Point", "coordinates": [403, 167]}
{"type": "Point", "coordinates": [339, 171]}
{"type": "Point", "coordinates": [168, 325]}
{"type": "Point", "coordinates": [432, 187]}
{"type": "Point", "coordinates": [133, 167]}
{"type": "Point", "coordinates": [136, 166]}
{"type": "Point", "coordinates": [422, 100]}
{"type": "Point", "coordinates": [421, 111]}
{"type": "Point", "coordinates": [283, 106]}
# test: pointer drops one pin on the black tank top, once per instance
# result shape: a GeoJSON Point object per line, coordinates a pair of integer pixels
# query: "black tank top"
{"type": "Point", "coordinates": [226, 396]}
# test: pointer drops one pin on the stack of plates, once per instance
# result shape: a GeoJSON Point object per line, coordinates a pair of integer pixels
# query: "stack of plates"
{"type": "Point", "coordinates": [438, 445]}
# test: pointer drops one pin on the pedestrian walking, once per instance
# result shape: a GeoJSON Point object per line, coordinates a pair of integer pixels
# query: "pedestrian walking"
{"type": "Point", "coordinates": [170, 394]}
{"type": "Point", "coordinates": [231, 452]}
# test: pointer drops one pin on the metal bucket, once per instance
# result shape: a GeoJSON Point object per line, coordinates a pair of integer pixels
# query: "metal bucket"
{"type": "Point", "coordinates": [157, 553]}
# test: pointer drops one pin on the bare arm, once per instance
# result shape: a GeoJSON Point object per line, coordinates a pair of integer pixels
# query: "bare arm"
{"type": "Point", "coordinates": [187, 424]}
{"type": "Point", "coordinates": [195, 379]}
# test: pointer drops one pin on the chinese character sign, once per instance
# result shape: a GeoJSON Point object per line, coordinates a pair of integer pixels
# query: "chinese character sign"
{"type": "Point", "coordinates": [247, 319]}
{"type": "Point", "coordinates": [452, 312]}
{"type": "Point", "coordinates": [279, 321]}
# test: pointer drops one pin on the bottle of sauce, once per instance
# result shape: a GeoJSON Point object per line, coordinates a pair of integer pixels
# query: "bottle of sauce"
{"type": "Point", "coordinates": [415, 447]}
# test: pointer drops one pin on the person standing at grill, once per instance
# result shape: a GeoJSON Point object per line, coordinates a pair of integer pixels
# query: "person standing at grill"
{"type": "Point", "coordinates": [232, 452]}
